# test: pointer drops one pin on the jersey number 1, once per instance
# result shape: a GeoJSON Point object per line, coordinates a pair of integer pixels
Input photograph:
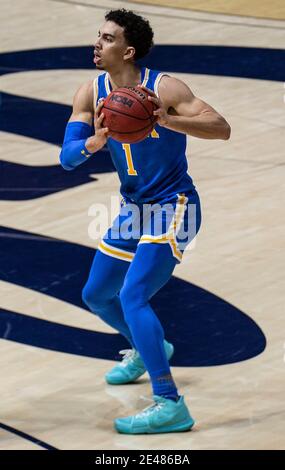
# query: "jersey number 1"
{"type": "Point", "coordinates": [127, 148]}
{"type": "Point", "coordinates": [128, 153]}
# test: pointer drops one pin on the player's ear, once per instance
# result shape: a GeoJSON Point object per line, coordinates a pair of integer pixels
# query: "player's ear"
{"type": "Point", "coordinates": [130, 52]}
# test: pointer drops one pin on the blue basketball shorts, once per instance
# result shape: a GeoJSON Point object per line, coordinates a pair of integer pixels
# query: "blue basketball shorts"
{"type": "Point", "coordinates": [174, 220]}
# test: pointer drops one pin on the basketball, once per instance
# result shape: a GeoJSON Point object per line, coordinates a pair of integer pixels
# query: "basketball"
{"type": "Point", "coordinates": [129, 114]}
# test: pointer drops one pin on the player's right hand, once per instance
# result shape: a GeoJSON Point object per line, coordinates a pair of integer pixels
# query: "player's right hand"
{"type": "Point", "coordinates": [98, 121]}
{"type": "Point", "coordinates": [97, 141]}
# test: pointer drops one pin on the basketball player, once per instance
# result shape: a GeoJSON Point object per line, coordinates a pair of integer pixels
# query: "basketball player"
{"type": "Point", "coordinates": [127, 272]}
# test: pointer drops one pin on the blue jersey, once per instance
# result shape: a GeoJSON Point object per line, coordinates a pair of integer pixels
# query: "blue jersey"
{"type": "Point", "coordinates": [156, 167]}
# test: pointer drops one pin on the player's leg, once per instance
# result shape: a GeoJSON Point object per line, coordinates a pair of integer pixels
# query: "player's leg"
{"type": "Point", "coordinates": [152, 266]}
{"type": "Point", "coordinates": [100, 292]}
{"type": "Point", "coordinates": [158, 252]}
{"type": "Point", "coordinates": [150, 270]}
{"type": "Point", "coordinates": [107, 274]}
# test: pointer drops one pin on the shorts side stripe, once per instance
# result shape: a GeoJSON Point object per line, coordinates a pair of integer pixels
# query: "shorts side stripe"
{"type": "Point", "coordinates": [169, 236]}
{"type": "Point", "coordinates": [115, 252]}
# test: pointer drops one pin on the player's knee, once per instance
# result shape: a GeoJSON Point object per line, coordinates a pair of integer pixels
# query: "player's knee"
{"type": "Point", "coordinates": [92, 297]}
{"type": "Point", "coordinates": [133, 296]}
{"type": "Point", "coordinates": [87, 295]}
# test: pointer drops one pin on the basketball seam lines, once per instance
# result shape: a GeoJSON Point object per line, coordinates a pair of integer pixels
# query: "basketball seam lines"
{"type": "Point", "coordinates": [125, 114]}
{"type": "Point", "coordinates": [150, 115]}
{"type": "Point", "coordinates": [130, 132]}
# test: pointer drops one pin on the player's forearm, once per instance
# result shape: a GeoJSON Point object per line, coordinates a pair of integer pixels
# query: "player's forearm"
{"type": "Point", "coordinates": [73, 154]}
{"type": "Point", "coordinates": [204, 126]}
{"type": "Point", "coordinates": [74, 150]}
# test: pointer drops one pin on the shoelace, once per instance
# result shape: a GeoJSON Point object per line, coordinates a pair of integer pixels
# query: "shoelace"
{"type": "Point", "coordinates": [150, 409]}
{"type": "Point", "coordinates": [129, 355]}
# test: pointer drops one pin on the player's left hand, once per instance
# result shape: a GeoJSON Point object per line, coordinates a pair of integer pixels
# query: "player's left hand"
{"type": "Point", "coordinates": [160, 112]}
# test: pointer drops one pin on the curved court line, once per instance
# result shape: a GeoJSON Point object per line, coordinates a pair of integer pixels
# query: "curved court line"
{"type": "Point", "coordinates": [227, 61]}
{"type": "Point", "coordinates": [28, 437]}
{"type": "Point", "coordinates": [25, 182]}
{"type": "Point", "coordinates": [46, 121]}
{"type": "Point", "coordinates": [206, 329]}
{"type": "Point", "coordinates": [215, 331]}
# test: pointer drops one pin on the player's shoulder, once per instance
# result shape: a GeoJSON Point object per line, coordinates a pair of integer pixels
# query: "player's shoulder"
{"type": "Point", "coordinates": [169, 86]}
{"type": "Point", "coordinates": [84, 94]}
{"type": "Point", "coordinates": [85, 88]}
{"type": "Point", "coordinates": [167, 80]}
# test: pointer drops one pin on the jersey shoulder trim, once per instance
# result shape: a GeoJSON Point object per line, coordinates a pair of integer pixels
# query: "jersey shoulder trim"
{"type": "Point", "coordinates": [157, 80]}
{"type": "Point", "coordinates": [95, 92]}
{"type": "Point", "coordinates": [146, 77]}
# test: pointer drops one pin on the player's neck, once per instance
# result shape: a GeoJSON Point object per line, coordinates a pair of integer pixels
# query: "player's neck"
{"type": "Point", "coordinates": [130, 75]}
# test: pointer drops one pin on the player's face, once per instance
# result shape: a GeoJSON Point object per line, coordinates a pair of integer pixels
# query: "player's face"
{"type": "Point", "coordinates": [110, 47]}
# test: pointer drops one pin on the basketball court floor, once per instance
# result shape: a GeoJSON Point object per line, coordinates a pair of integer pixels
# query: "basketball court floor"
{"type": "Point", "coordinates": [224, 307]}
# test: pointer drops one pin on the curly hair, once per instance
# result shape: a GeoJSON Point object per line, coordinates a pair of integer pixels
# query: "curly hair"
{"type": "Point", "coordinates": [137, 30]}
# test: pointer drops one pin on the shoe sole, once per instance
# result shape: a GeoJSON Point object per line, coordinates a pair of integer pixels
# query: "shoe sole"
{"type": "Point", "coordinates": [182, 427]}
{"type": "Point", "coordinates": [121, 382]}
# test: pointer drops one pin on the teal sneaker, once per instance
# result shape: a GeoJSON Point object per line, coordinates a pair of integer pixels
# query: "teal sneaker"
{"type": "Point", "coordinates": [132, 366]}
{"type": "Point", "coordinates": [164, 416]}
